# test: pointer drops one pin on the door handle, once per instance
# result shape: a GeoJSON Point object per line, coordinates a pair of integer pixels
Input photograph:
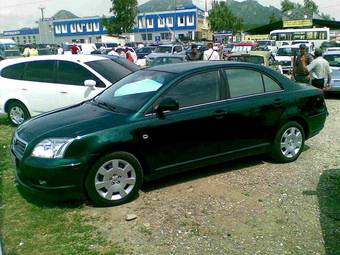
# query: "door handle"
{"type": "Point", "coordinates": [277, 102]}
{"type": "Point", "coordinates": [63, 92]}
{"type": "Point", "coordinates": [24, 89]}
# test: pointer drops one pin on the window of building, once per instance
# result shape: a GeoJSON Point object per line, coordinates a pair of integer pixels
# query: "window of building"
{"type": "Point", "coordinates": [149, 22]}
{"type": "Point", "coordinates": [57, 29]}
{"type": "Point", "coordinates": [141, 23]}
{"type": "Point", "coordinates": [181, 21]}
{"type": "Point", "coordinates": [144, 37]}
{"type": "Point", "coordinates": [149, 37]}
{"type": "Point", "coordinates": [73, 28]}
{"type": "Point", "coordinates": [169, 21]}
{"type": "Point", "coordinates": [190, 20]}
{"type": "Point", "coordinates": [244, 82]}
{"type": "Point", "coordinates": [89, 26]}
{"type": "Point", "coordinates": [80, 27]}
{"type": "Point", "coordinates": [165, 36]}
{"type": "Point", "coordinates": [96, 26]}
{"type": "Point", "coordinates": [198, 89]}
{"type": "Point", "coordinates": [40, 71]}
{"type": "Point", "coordinates": [64, 28]}
{"type": "Point", "coordinates": [161, 22]}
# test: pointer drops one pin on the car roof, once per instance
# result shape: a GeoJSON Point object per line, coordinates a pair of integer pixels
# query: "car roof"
{"type": "Point", "coordinates": [251, 53]}
{"type": "Point", "coordinates": [182, 68]}
{"type": "Point", "coordinates": [333, 52]}
{"type": "Point", "coordinates": [74, 58]}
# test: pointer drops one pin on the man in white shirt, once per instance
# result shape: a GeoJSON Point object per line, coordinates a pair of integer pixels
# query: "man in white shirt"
{"type": "Point", "coordinates": [60, 50]}
{"type": "Point", "coordinates": [319, 70]}
{"type": "Point", "coordinates": [210, 54]}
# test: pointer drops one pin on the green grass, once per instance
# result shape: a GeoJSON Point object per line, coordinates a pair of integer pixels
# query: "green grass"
{"type": "Point", "coordinates": [32, 226]}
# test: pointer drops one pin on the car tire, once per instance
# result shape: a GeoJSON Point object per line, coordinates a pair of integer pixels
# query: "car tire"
{"type": "Point", "coordinates": [17, 113]}
{"type": "Point", "coordinates": [288, 143]}
{"type": "Point", "coordinates": [114, 179]}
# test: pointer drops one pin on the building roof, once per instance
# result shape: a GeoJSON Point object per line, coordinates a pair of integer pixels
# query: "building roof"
{"type": "Point", "coordinates": [165, 5]}
{"type": "Point", "coordinates": [64, 14]}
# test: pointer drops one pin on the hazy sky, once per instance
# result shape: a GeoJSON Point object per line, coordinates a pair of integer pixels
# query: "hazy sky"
{"type": "Point", "coordinates": [15, 14]}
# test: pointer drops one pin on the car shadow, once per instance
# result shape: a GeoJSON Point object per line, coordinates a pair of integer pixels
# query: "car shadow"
{"type": "Point", "coordinates": [203, 172]}
{"type": "Point", "coordinates": [49, 201]}
{"type": "Point", "coordinates": [328, 193]}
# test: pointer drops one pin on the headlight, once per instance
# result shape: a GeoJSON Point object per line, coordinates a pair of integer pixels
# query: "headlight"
{"type": "Point", "coordinates": [51, 148]}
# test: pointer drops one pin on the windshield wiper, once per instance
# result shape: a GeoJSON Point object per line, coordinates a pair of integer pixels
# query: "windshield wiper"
{"type": "Point", "coordinates": [106, 105]}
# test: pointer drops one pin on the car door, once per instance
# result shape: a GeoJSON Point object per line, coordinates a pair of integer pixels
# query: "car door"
{"type": "Point", "coordinates": [38, 85]}
{"type": "Point", "coordinates": [71, 88]}
{"type": "Point", "coordinates": [190, 134]}
{"type": "Point", "coordinates": [254, 107]}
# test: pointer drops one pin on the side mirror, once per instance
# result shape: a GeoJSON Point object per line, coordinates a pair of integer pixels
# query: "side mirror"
{"type": "Point", "coordinates": [90, 83]}
{"type": "Point", "coordinates": [166, 104]}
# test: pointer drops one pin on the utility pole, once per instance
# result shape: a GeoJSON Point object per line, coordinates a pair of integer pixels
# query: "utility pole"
{"type": "Point", "coordinates": [42, 12]}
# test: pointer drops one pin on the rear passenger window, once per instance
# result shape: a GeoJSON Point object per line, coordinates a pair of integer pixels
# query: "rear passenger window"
{"type": "Point", "coordinates": [244, 82]}
{"type": "Point", "coordinates": [74, 74]}
{"type": "Point", "coordinates": [40, 71]}
{"type": "Point", "coordinates": [14, 71]}
{"type": "Point", "coordinates": [270, 85]}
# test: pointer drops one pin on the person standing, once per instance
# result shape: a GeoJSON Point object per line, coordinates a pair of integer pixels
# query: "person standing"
{"type": "Point", "coordinates": [194, 55]}
{"type": "Point", "coordinates": [26, 52]}
{"type": "Point", "coordinates": [60, 50]}
{"type": "Point", "coordinates": [74, 49]}
{"type": "Point", "coordinates": [210, 54]}
{"type": "Point", "coordinates": [319, 70]}
{"type": "Point", "coordinates": [33, 51]}
{"type": "Point", "coordinates": [299, 72]}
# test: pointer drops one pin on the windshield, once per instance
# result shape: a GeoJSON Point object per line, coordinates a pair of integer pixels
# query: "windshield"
{"type": "Point", "coordinates": [163, 49]}
{"type": "Point", "coordinates": [130, 93]}
{"type": "Point", "coordinates": [144, 50]}
{"type": "Point", "coordinates": [263, 43]}
{"type": "Point", "coordinates": [334, 60]}
{"type": "Point", "coordinates": [287, 52]}
{"type": "Point", "coordinates": [249, 59]}
{"type": "Point", "coordinates": [110, 70]}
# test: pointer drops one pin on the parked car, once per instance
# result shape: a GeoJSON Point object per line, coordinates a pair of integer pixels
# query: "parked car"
{"type": "Point", "coordinates": [167, 59]}
{"type": "Point", "coordinates": [9, 49]}
{"type": "Point", "coordinates": [143, 52]}
{"type": "Point", "coordinates": [243, 47]}
{"type": "Point", "coordinates": [257, 57]}
{"type": "Point", "coordinates": [285, 55]}
{"type": "Point", "coordinates": [266, 45]}
{"type": "Point", "coordinates": [333, 58]}
{"type": "Point", "coordinates": [162, 120]}
{"type": "Point", "coordinates": [30, 86]}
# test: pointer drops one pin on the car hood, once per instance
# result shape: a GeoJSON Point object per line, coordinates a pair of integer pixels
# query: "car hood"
{"type": "Point", "coordinates": [74, 121]}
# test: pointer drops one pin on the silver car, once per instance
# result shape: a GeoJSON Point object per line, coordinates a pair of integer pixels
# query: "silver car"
{"type": "Point", "coordinates": [333, 57]}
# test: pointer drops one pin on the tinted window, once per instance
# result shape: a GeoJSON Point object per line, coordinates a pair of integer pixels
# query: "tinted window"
{"type": "Point", "coordinates": [270, 85]}
{"type": "Point", "coordinates": [198, 89]}
{"type": "Point", "coordinates": [13, 71]}
{"type": "Point", "coordinates": [40, 71]}
{"type": "Point", "coordinates": [74, 74]}
{"type": "Point", "coordinates": [178, 49]}
{"type": "Point", "coordinates": [244, 82]}
{"type": "Point", "coordinates": [109, 70]}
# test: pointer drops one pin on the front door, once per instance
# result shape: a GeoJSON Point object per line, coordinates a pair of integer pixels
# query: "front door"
{"type": "Point", "coordinates": [189, 134]}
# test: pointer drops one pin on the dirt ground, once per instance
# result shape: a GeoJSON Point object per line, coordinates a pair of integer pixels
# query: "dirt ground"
{"type": "Point", "coordinates": [249, 206]}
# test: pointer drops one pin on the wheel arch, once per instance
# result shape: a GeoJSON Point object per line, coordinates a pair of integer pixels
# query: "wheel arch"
{"type": "Point", "coordinates": [20, 100]}
{"type": "Point", "coordinates": [303, 123]}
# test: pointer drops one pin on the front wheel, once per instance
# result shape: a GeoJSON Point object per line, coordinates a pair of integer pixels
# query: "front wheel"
{"type": "Point", "coordinates": [17, 113]}
{"type": "Point", "coordinates": [288, 143]}
{"type": "Point", "coordinates": [115, 179]}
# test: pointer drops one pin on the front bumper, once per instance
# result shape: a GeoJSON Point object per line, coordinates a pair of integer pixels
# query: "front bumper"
{"type": "Point", "coordinates": [61, 179]}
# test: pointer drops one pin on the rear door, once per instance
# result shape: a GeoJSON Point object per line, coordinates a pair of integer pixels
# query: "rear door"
{"type": "Point", "coordinates": [38, 85]}
{"type": "Point", "coordinates": [71, 89]}
{"type": "Point", "coordinates": [254, 106]}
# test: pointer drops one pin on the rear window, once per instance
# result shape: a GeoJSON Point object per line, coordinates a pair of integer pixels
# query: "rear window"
{"type": "Point", "coordinates": [110, 70]}
{"type": "Point", "coordinates": [13, 72]}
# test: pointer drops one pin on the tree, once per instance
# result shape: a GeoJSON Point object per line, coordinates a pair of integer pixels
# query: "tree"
{"type": "Point", "coordinates": [310, 5]}
{"type": "Point", "coordinates": [326, 16]}
{"type": "Point", "coordinates": [272, 18]}
{"type": "Point", "coordinates": [221, 18]}
{"type": "Point", "coordinates": [124, 15]}
{"type": "Point", "coordinates": [287, 5]}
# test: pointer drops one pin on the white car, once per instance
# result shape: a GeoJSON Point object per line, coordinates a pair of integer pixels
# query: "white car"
{"type": "Point", "coordinates": [333, 58]}
{"type": "Point", "coordinates": [30, 86]}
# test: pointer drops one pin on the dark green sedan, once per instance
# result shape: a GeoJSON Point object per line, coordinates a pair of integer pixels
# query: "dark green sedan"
{"type": "Point", "coordinates": [163, 120]}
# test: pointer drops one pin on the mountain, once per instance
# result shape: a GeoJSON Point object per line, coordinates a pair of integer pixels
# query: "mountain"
{"type": "Point", "coordinates": [253, 13]}
{"type": "Point", "coordinates": [63, 14]}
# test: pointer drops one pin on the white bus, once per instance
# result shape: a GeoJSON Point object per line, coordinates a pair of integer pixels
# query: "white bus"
{"type": "Point", "coordinates": [312, 35]}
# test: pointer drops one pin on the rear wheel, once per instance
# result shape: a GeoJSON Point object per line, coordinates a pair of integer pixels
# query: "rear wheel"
{"type": "Point", "coordinates": [114, 179]}
{"type": "Point", "coordinates": [17, 113]}
{"type": "Point", "coordinates": [288, 143]}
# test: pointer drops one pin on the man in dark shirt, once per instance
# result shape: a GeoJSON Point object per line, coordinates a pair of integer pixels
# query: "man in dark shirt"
{"type": "Point", "coordinates": [299, 72]}
{"type": "Point", "coordinates": [194, 55]}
